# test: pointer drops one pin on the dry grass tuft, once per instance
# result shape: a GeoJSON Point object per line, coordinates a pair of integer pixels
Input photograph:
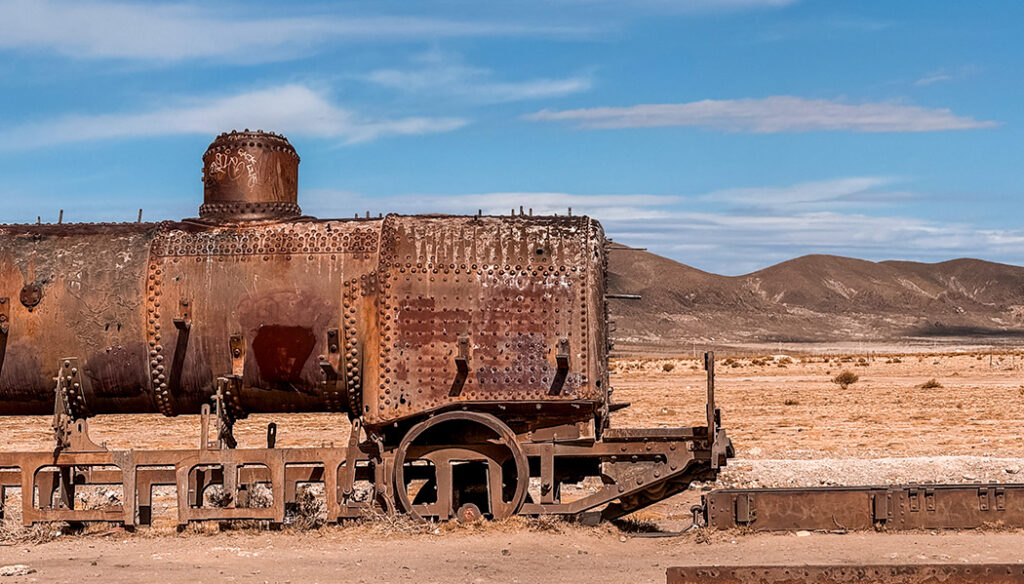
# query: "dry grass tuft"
{"type": "Point", "coordinates": [846, 379]}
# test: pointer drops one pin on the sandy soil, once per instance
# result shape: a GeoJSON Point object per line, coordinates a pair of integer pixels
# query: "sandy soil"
{"type": "Point", "coordinates": [490, 556]}
{"type": "Point", "coordinates": [791, 424]}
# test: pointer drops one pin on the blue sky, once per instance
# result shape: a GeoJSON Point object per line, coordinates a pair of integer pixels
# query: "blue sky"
{"type": "Point", "coordinates": [726, 134]}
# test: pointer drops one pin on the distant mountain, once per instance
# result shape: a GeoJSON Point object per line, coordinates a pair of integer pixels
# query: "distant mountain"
{"type": "Point", "coordinates": [815, 298]}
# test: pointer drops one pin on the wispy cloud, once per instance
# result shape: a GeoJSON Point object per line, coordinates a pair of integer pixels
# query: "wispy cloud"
{"type": "Point", "coordinates": [292, 109]}
{"type": "Point", "coordinates": [828, 194]}
{"type": "Point", "coordinates": [768, 115]}
{"type": "Point", "coordinates": [947, 74]}
{"type": "Point", "coordinates": [443, 74]}
{"type": "Point", "coordinates": [932, 78]}
{"type": "Point", "coordinates": [724, 239]}
{"type": "Point", "coordinates": [179, 31]}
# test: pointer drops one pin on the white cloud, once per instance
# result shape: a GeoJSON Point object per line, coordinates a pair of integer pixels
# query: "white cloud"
{"type": "Point", "coordinates": [290, 109]}
{"type": "Point", "coordinates": [720, 239]}
{"type": "Point", "coordinates": [945, 75]}
{"type": "Point", "coordinates": [933, 78]}
{"type": "Point", "coordinates": [443, 74]}
{"type": "Point", "coordinates": [121, 30]}
{"type": "Point", "coordinates": [768, 115]}
{"type": "Point", "coordinates": [834, 193]}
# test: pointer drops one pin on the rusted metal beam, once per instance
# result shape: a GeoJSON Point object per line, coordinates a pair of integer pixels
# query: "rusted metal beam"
{"type": "Point", "coordinates": [864, 574]}
{"type": "Point", "coordinates": [893, 507]}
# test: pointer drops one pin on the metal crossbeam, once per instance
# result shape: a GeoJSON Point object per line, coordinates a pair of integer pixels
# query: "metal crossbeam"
{"type": "Point", "coordinates": [894, 507]}
{"type": "Point", "coordinates": [865, 574]}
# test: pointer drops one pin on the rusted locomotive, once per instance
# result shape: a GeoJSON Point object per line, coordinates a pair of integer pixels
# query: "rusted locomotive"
{"type": "Point", "coordinates": [469, 352]}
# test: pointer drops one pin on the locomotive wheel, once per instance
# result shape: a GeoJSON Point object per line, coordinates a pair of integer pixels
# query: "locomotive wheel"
{"type": "Point", "coordinates": [450, 442]}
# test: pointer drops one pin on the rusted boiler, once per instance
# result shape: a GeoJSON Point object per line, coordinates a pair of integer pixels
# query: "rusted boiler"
{"type": "Point", "coordinates": [448, 340]}
{"type": "Point", "coordinates": [429, 311]}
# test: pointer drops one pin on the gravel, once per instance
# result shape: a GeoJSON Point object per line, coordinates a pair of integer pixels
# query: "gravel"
{"type": "Point", "coordinates": [746, 473]}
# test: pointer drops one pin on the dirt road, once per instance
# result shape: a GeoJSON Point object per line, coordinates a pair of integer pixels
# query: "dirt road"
{"type": "Point", "coordinates": [472, 556]}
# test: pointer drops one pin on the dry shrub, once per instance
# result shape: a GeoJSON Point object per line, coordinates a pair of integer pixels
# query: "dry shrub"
{"type": "Point", "coordinates": [846, 379]}
{"type": "Point", "coordinates": [310, 510]}
{"type": "Point", "coordinates": [790, 402]}
{"type": "Point", "coordinates": [14, 532]}
{"type": "Point", "coordinates": [668, 366]}
{"type": "Point", "coordinates": [931, 384]}
{"type": "Point", "coordinates": [635, 525]}
{"type": "Point", "coordinates": [785, 361]}
{"type": "Point", "coordinates": [96, 497]}
{"type": "Point", "coordinates": [216, 496]}
{"type": "Point", "coordinates": [260, 496]}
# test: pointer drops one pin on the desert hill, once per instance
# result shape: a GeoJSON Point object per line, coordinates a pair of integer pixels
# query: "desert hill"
{"type": "Point", "coordinates": [816, 298]}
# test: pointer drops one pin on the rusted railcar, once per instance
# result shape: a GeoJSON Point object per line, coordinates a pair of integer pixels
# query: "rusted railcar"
{"type": "Point", "coordinates": [469, 352]}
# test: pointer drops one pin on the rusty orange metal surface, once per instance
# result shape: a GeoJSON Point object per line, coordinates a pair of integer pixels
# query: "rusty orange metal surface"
{"type": "Point", "coordinates": [416, 313]}
{"type": "Point", "coordinates": [471, 354]}
{"type": "Point", "coordinates": [863, 574]}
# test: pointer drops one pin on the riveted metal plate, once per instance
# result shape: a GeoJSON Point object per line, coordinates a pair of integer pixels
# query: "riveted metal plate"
{"type": "Point", "coordinates": [894, 507]}
{"type": "Point", "coordinates": [512, 288]}
{"type": "Point", "coordinates": [852, 574]}
{"type": "Point", "coordinates": [278, 286]}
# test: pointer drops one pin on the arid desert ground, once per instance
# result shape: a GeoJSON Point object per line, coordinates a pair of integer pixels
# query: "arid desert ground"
{"type": "Point", "coordinates": [940, 416]}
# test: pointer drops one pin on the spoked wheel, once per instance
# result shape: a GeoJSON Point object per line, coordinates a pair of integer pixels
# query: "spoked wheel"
{"type": "Point", "coordinates": [463, 463]}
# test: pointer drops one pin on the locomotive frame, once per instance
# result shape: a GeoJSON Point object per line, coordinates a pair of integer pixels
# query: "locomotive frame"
{"type": "Point", "coordinates": [470, 354]}
{"type": "Point", "coordinates": [637, 467]}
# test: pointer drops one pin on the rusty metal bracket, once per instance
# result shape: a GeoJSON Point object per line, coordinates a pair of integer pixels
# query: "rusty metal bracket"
{"type": "Point", "coordinates": [461, 366]}
{"type": "Point", "coordinates": [183, 323]}
{"type": "Point", "coordinates": [237, 345]}
{"type": "Point", "coordinates": [331, 362]}
{"type": "Point", "coordinates": [227, 388]}
{"type": "Point", "coordinates": [718, 444]}
{"type": "Point", "coordinates": [746, 512]}
{"type": "Point", "coordinates": [71, 388]}
{"type": "Point", "coordinates": [562, 363]}
{"type": "Point", "coordinates": [859, 574]}
{"type": "Point", "coordinates": [70, 429]}
{"type": "Point", "coordinates": [271, 435]}
{"type": "Point", "coordinates": [5, 328]}
{"type": "Point", "coordinates": [991, 497]}
{"type": "Point", "coordinates": [562, 357]}
{"type": "Point", "coordinates": [881, 500]}
{"type": "Point", "coordinates": [352, 454]}
{"type": "Point", "coordinates": [462, 359]}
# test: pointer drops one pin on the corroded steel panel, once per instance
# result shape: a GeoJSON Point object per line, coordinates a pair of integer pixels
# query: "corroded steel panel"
{"type": "Point", "coordinates": [863, 574]}
{"type": "Point", "coordinates": [485, 309]}
{"type": "Point", "coordinates": [74, 291]}
{"type": "Point", "coordinates": [277, 286]}
{"type": "Point", "coordinates": [890, 507]}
